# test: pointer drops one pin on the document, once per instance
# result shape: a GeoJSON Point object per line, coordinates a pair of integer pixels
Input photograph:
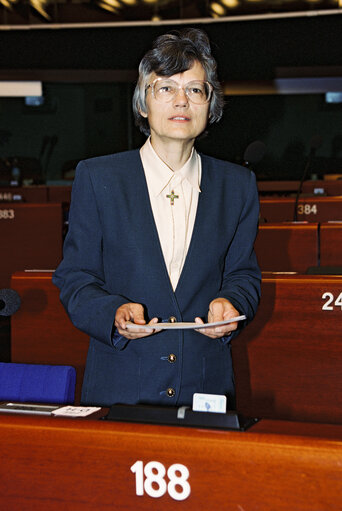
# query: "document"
{"type": "Point", "coordinates": [182, 325]}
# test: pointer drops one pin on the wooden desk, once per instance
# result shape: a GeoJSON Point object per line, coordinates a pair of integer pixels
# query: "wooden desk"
{"type": "Point", "coordinates": [311, 209]}
{"type": "Point", "coordinates": [287, 246]}
{"type": "Point", "coordinates": [59, 193]}
{"type": "Point", "coordinates": [32, 194]}
{"type": "Point", "coordinates": [41, 332]}
{"type": "Point", "coordinates": [31, 237]}
{"type": "Point", "coordinates": [329, 187]}
{"type": "Point", "coordinates": [288, 361]}
{"type": "Point", "coordinates": [55, 464]}
{"type": "Point", "coordinates": [278, 187]}
{"type": "Point", "coordinates": [331, 244]}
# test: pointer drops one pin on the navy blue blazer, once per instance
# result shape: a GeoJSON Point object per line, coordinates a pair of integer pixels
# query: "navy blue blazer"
{"type": "Point", "coordinates": [112, 255]}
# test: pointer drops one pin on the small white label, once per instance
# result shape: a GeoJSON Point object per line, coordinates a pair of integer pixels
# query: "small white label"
{"type": "Point", "coordinates": [209, 403]}
{"type": "Point", "coordinates": [75, 411]}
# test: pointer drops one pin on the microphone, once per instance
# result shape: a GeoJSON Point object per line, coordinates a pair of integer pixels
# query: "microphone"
{"type": "Point", "coordinates": [9, 302]}
{"type": "Point", "coordinates": [315, 143]}
{"type": "Point", "coordinates": [254, 152]}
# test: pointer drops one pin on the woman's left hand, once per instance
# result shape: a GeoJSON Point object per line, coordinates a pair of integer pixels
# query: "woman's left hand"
{"type": "Point", "coordinates": [220, 309]}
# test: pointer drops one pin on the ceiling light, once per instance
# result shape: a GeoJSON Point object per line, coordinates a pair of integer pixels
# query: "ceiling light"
{"type": "Point", "coordinates": [107, 7]}
{"type": "Point", "coordinates": [112, 4]}
{"type": "Point", "coordinates": [231, 4]}
{"type": "Point", "coordinates": [20, 89]}
{"type": "Point", "coordinates": [39, 6]}
{"type": "Point", "coordinates": [217, 8]}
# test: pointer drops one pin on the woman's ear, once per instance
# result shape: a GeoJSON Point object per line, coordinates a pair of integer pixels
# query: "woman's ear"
{"type": "Point", "coordinates": [142, 113]}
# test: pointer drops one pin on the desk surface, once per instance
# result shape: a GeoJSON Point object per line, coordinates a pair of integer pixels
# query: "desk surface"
{"type": "Point", "coordinates": [55, 464]}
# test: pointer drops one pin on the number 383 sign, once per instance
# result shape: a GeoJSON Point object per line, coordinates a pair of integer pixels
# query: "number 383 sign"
{"type": "Point", "coordinates": [151, 479]}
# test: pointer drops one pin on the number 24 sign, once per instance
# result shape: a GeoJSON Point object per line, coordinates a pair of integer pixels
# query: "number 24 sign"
{"type": "Point", "coordinates": [154, 483]}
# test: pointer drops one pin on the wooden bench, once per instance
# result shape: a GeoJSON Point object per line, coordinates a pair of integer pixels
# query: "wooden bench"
{"type": "Point", "coordinates": [331, 244]}
{"type": "Point", "coordinates": [319, 186]}
{"type": "Point", "coordinates": [288, 361]}
{"type": "Point", "coordinates": [83, 465]}
{"type": "Point", "coordinates": [311, 209]}
{"type": "Point", "coordinates": [41, 332]}
{"type": "Point", "coordinates": [287, 246]}
{"type": "Point", "coordinates": [31, 237]}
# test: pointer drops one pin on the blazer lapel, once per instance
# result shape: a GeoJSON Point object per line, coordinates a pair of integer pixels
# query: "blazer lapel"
{"type": "Point", "coordinates": [200, 232]}
{"type": "Point", "coordinates": [148, 230]}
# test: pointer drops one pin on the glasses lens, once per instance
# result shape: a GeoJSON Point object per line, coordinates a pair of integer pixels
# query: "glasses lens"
{"type": "Point", "coordinates": [198, 92]}
{"type": "Point", "coordinates": [164, 90]}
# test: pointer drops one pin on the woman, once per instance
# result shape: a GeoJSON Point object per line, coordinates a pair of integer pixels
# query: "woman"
{"type": "Point", "coordinates": [162, 234]}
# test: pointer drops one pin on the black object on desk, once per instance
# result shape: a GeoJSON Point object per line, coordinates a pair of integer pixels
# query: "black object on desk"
{"type": "Point", "coordinates": [182, 416]}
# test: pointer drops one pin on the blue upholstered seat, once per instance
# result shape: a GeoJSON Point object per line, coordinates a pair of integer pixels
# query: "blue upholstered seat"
{"type": "Point", "coordinates": [37, 383]}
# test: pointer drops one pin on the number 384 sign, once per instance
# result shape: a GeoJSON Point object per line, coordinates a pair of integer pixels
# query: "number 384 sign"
{"type": "Point", "coordinates": [151, 479]}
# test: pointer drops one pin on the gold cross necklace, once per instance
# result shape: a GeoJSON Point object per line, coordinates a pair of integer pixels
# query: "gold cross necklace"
{"type": "Point", "coordinates": [172, 197]}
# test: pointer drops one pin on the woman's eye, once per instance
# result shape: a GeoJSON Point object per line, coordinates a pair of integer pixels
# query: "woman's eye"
{"type": "Point", "coordinates": [195, 90]}
{"type": "Point", "coordinates": [165, 88]}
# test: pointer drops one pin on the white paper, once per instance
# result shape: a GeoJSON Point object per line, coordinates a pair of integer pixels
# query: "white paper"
{"type": "Point", "coordinates": [216, 403]}
{"type": "Point", "coordinates": [182, 326]}
{"type": "Point", "coordinates": [76, 411]}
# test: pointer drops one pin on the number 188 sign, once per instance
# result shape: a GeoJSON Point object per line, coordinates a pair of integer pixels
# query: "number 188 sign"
{"type": "Point", "coordinates": [151, 479]}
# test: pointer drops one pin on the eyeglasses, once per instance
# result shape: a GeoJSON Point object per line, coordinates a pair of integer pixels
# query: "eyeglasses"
{"type": "Point", "coordinates": [165, 89]}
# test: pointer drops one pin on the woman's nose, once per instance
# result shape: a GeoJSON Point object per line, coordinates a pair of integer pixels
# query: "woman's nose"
{"type": "Point", "coordinates": [180, 97]}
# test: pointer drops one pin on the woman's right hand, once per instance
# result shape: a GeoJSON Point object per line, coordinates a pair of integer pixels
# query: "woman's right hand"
{"type": "Point", "coordinates": [132, 312]}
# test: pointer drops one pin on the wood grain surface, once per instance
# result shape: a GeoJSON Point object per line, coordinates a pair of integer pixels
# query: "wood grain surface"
{"type": "Point", "coordinates": [331, 244]}
{"type": "Point", "coordinates": [55, 464]}
{"type": "Point", "coordinates": [288, 361]}
{"type": "Point", "coordinates": [287, 246]}
{"type": "Point", "coordinates": [311, 209]}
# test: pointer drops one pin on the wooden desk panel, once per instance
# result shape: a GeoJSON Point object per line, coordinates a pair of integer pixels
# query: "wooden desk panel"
{"type": "Point", "coordinates": [32, 194]}
{"type": "Point", "coordinates": [55, 464]}
{"type": "Point", "coordinates": [314, 209]}
{"type": "Point", "coordinates": [287, 246]}
{"type": "Point", "coordinates": [331, 244]}
{"type": "Point", "coordinates": [31, 237]}
{"type": "Point", "coordinates": [59, 193]}
{"type": "Point", "coordinates": [288, 360]}
{"type": "Point", "coordinates": [329, 187]}
{"type": "Point", "coordinates": [278, 187]}
{"type": "Point", "coordinates": [41, 332]}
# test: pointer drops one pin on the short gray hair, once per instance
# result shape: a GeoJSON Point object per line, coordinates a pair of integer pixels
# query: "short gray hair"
{"type": "Point", "coordinates": [175, 53]}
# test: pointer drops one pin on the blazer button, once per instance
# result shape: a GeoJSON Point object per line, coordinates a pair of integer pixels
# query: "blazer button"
{"type": "Point", "coordinates": [172, 319]}
{"type": "Point", "coordinates": [171, 392]}
{"type": "Point", "coordinates": [172, 358]}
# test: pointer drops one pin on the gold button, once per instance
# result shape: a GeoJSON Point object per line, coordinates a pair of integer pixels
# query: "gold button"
{"type": "Point", "coordinates": [172, 319]}
{"type": "Point", "coordinates": [172, 358]}
{"type": "Point", "coordinates": [170, 392]}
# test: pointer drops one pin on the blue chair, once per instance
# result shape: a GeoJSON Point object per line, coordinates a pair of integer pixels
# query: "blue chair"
{"type": "Point", "coordinates": [37, 383]}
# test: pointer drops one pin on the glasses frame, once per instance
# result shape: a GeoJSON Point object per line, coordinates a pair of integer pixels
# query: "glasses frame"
{"type": "Point", "coordinates": [179, 87]}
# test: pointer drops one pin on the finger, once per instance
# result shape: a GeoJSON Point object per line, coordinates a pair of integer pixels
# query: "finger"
{"type": "Point", "coordinates": [153, 321]}
{"type": "Point", "coordinates": [216, 309]}
{"type": "Point", "coordinates": [122, 315]}
{"type": "Point", "coordinates": [137, 313]}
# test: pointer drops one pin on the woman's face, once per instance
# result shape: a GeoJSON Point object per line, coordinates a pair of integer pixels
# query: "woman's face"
{"type": "Point", "coordinates": [179, 119]}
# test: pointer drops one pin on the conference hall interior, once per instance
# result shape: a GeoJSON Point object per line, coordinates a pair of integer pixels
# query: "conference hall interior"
{"type": "Point", "coordinates": [68, 70]}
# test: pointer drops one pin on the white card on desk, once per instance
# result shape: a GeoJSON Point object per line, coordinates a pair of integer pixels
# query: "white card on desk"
{"type": "Point", "coordinates": [75, 411]}
{"type": "Point", "coordinates": [182, 325]}
{"type": "Point", "coordinates": [209, 403]}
